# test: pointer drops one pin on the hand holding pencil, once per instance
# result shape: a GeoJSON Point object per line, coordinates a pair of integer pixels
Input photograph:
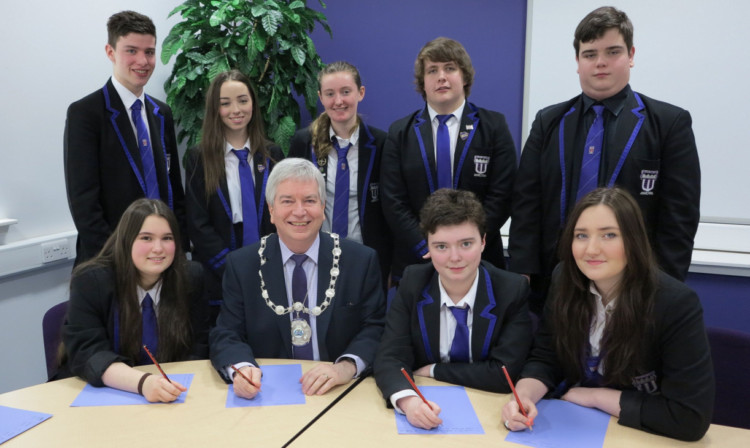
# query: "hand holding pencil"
{"type": "Point", "coordinates": [246, 381]}
{"type": "Point", "coordinates": [419, 411]}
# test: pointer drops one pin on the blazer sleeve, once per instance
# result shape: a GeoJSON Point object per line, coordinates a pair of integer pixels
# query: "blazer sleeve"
{"type": "Point", "coordinates": [497, 201]}
{"type": "Point", "coordinates": [198, 311]}
{"type": "Point", "coordinates": [81, 143]}
{"type": "Point", "coordinates": [228, 341]}
{"type": "Point", "coordinates": [300, 144]}
{"type": "Point", "coordinates": [525, 245]}
{"type": "Point", "coordinates": [398, 213]}
{"type": "Point", "coordinates": [509, 348]}
{"type": "Point", "coordinates": [684, 406]}
{"type": "Point", "coordinates": [86, 331]}
{"type": "Point", "coordinates": [210, 248]}
{"type": "Point", "coordinates": [679, 206]}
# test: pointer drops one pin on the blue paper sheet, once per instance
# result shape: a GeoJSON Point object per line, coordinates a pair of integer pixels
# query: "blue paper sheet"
{"type": "Point", "coordinates": [561, 424]}
{"type": "Point", "coordinates": [456, 411]}
{"type": "Point", "coordinates": [106, 396]}
{"type": "Point", "coordinates": [15, 421]}
{"type": "Point", "coordinates": [280, 386]}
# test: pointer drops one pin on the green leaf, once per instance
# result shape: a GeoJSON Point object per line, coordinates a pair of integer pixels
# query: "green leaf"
{"type": "Point", "coordinates": [299, 55]}
{"type": "Point", "coordinates": [218, 17]}
{"type": "Point", "coordinates": [258, 11]}
{"type": "Point", "coordinates": [270, 23]}
{"type": "Point", "coordinates": [297, 4]}
{"type": "Point", "coordinates": [260, 42]}
{"type": "Point", "coordinates": [221, 65]}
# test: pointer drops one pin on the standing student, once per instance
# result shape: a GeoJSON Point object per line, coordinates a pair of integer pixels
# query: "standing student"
{"type": "Point", "coordinates": [119, 142]}
{"type": "Point", "coordinates": [226, 178]}
{"type": "Point", "coordinates": [450, 143]}
{"type": "Point", "coordinates": [609, 135]}
{"type": "Point", "coordinates": [457, 319]}
{"type": "Point", "coordinates": [348, 152]}
{"type": "Point", "coordinates": [621, 335]}
{"type": "Point", "coordinates": [140, 289]}
{"type": "Point", "coordinates": [299, 293]}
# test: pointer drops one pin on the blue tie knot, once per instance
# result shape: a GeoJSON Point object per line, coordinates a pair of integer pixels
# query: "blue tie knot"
{"type": "Point", "coordinates": [148, 303]}
{"type": "Point", "coordinates": [137, 105]}
{"type": "Point", "coordinates": [461, 314]}
{"type": "Point", "coordinates": [598, 109]}
{"type": "Point", "coordinates": [443, 119]}
{"type": "Point", "coordinates": [242, 155]}
{"type": "Point", "coordinates": [342, 152]}
{"type": "Point", "coordinates": [299, 259]}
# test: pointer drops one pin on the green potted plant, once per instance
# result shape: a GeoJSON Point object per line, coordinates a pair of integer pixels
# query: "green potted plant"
{"type": "Point", "coordinates": [265, 39]}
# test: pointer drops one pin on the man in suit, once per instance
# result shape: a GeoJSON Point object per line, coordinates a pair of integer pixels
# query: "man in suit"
{"type": "Point", "coordinates": [119, 142]}
{"type": "Point", "coordinates": [450, 143]}
{"type": "Point", "coordinates": [299, 294]}
{"type": "Point", "coordinates": [607, 136]}
{"type": "Point", "coordinates": [458, 319]}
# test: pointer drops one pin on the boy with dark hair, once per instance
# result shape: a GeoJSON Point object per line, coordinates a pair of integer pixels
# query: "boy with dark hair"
{"type": "Point", "coordinates": [450, 143]}
{"type": "Point", "coordinates": [119, 142]}
{"type": "Point", "coordinates": [457, 319]}
{"type": "Point", "coordinates": [607, 136]}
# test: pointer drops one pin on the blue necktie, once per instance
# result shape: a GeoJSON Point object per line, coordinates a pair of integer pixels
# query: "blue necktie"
{"type": "Point", "coordinates": [249, 214]}
{"type": "Point", "coordinates": [340, 222]}
{"type": "Point", "coordinates": [592, 154]}
{"type": "Point", "coordinates": [444, 153]}
{"type": "Point", "coordinates": [147, 155]}
{"type": "Point", "coordinates": [460, 346]}
{"type": "Point", "coordinates": [150, 331]}
{"type": "Point", "coordinates": [299, 294]}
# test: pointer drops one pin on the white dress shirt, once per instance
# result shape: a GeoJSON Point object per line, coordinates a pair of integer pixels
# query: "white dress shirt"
{"type": "Point", "coordinates": [232, 166]}
{"type": "Point", "coordinates": [352, 157]}
{"type": "Point", "coordinates": [453, 124]}
{"type": "Point", "coordinates": [128, 98]}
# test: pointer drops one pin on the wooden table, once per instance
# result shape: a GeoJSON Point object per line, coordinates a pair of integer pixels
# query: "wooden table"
{"type": "Point", "coordinates": [360, 419]}
{"type": "Point", "coordinates": [362, 416]}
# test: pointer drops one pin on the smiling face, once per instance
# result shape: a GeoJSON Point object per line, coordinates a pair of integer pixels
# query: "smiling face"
{"type": "Point", "coordinates": [604, 65]}
{"type": "Point", "coordinates": [133, 59]}
{"type": "Point", "coordinates": [298, 213]}
{"type": "Point", "coordinates": [443, 86]}
{"type": "Point", "coordinates": [456, 251]}
{"type": "Point", "coordinates": [235, 109]}
{"type": "Point", "coordinates": [340, 96]}
{"type": "Point", "coordinates": [153, 250]}
{"type": "Point", "coordinates": [598, 248]}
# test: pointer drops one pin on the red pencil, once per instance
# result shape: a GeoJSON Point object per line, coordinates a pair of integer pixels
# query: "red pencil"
{"type": "Point", "coordinates": [529, 422]}
{"type": "Point", "coordinates": [246, 378]}
{"type": "Point", "coordinates": [148, 352]}
{"type": "Point", "coordinates": [414, 386]}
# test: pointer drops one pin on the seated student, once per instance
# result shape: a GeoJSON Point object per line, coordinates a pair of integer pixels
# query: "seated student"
{"type": "Point", "coordinates": [458, 319]}
{"type": "Point", "coordinates": [301, 293]}
{"type": "Point", "coordinates": [138, 290]}
{"type": "Point", "coordinates": [353, 208]}
{"type": "Point", "coordinates": [226, 178]}
{"type": "Point", "coordinates": [625, 337]}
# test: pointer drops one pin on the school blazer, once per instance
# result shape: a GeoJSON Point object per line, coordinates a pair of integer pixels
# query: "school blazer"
{"type": "Point", "coordinates": [375, 232]}
{"type": "Point", "coordinates": [103, 172]}
{"type": "Point", "coordinates": [484, 163]}
{"type": "Point", "coordinates": [501, 331]}
{"type": "Point", "coordinates": [655, 159]}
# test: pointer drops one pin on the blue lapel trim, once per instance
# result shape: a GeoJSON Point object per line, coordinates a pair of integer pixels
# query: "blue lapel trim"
{"type": "Point", "coordinates": [114, 113]}
{"type": "Point", "coordinates": [636, 111]}
{"type": "Point", "coordinates": [487, 314]}
{"type": "Point", "coordinates": [366, 184]}
{"type": "Point", "coordinates": [163, 148]}
{"type": "Point", "coordinates": [228, 211]}
{"type": "Point", "coordinates": [418, 122]}
{"type": "Point", "coordinates": [561, 142]}
{"type": "Point", "coordinates": [218, 261]}
{"type": "Point", "coordinates": [473, 117]}
{"type": "Point", "coordinates": [262, 199]}
{"type": "Point", "coordinates": [420, 315]}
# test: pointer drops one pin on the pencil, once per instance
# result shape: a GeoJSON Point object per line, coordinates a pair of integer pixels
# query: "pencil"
{"type": "Point", "coordinates": [529, 422]}
{"type": "Point", "coordinates": [148, 352]}
{"type": "Point", "coordinates": [246, 378]}
{"type": "Point", "coordinates": [416, 389]}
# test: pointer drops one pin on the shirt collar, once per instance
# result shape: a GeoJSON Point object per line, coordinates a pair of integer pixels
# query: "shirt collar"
{"type": "Point", "coordinates": [311, 252]}
{"type": "Point", "coordinates": [344, 141]}
{"type": "Point", "coordinates": [614, 104]}
{"type": "Point", "coordinates": [457, 114]}
{"type": "Point", "coordinates": [154, 292]}
{"type": "Point", "coordinates": [467, 300]}
{"type": "Point", "coordinates": [228, 148]}
{"type": "Point", "coordinates": [600, 308]}
{"type": "Point", "coordinates": [127, 97]}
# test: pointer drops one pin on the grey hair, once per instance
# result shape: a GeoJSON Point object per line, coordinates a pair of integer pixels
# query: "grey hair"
{"type": "Point", "coordinates": [297, 169]}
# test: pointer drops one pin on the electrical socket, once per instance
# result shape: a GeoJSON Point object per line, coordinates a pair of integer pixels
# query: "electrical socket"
{"type": "Point", "coordinates": [55, 250]}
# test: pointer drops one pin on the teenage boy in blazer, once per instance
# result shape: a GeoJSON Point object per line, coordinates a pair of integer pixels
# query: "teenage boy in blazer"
{"type": "Point", "coordinates": [423, 333]}
{"type": "Point", "coordinates": [648, 148]}
{"type": "Point", "coordinates": [481, 159]}
{"type": "Point", "coordinates": [104, 164]}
